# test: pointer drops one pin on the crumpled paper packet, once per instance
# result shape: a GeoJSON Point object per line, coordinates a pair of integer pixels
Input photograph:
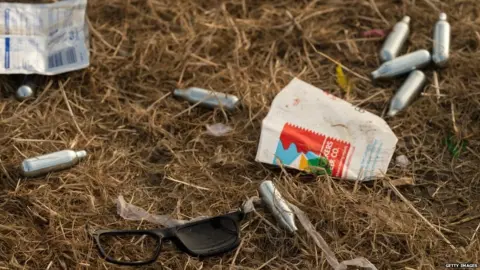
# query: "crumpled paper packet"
{"type": "Point", "coordinates": [311, 130]}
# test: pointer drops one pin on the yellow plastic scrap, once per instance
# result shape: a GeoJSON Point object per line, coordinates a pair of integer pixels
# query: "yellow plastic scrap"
{"type": "Point", "coordinates": [342, 80]}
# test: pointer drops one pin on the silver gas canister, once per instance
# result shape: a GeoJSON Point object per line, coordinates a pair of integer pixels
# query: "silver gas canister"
{"type": "Point", "coordinates": [208, 99]}
{"type": "Point", "coordinates": [441, 41]}
{"type": "Point", "coordinates": [403, 64]}
{"type": "Point", "coordinates": [24, 92]}
{"type": "Point", "coordinates": [277, 205]}
{"type": "Point", "coordinates": [395, 40]}
{"type": "Point", "coordinates": [27, 88]}
{"type": "Point", "coordinates": [409, 90]}
{"type": "Point", "coordinates": [56, 161]}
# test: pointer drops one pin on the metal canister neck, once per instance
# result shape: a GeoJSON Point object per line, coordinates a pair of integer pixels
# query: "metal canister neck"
{"type": "Point", "coordinates": [81, 154]}
{"type": "Point", "coordinates": [178, 92]}
{"type": "Point", "coordinates": [443, 16]}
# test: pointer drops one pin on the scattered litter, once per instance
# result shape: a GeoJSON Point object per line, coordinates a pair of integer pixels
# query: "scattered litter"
{"type": "Point", "coordinates": [441, 41]}
{"type": "Point", "coordinates": [374, 33]}
{"type": "Point", "coordinates": [411, 63]}
{"type": "Point", "coordinates": [56, 161]}
{"type": "Point", "coordinates": [189, 238]}
{"type": "Point", "coordinates": [406, 94]}
{"type": "Point", "coordinates": [454, 147]}
{"type": "Point", "coordinates": [402, 65]}
{"type": "Point", "coordinates": [277, 205]}
{"type": "Point", "coordinates": [249, 205]}
{"type": "Point", "coordinates": [135, 213]}
{"type": "Point", "coordinates": [402, 161]}
{"type": "Point", "coordinates": [342, 80]}
{"type": "Point", "coordinates": [306, 124]}
{"type": "Point", "coordinates": [218, 129]}
{"type": "Point", "coordinates": [395, 40]}
{"type": "Point", "coordinates": [45, 39]}
{"type": "Point", "coordinates": [132, 212]}
{"type": "Point", "coordinates": [322, 244]}
{"type": "Point", "coordinates": [266, 190]}
{"type": "Point", "coordinates": [208, 99]}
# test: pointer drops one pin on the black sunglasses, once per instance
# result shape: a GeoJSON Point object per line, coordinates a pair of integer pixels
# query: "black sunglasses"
{"type": "Point", "coordinates": [203, 238]}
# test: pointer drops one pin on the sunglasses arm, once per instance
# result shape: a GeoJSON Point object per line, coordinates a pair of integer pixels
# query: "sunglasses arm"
{"type": "Point", "coordinates": [164, 233]}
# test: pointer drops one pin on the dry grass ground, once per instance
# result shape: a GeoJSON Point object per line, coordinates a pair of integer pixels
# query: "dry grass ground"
{"type": "Point", "coordinates": [138, 141]}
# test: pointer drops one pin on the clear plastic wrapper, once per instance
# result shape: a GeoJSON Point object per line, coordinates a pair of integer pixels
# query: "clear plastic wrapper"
{"type": "Point", "coordinates": [131, 212]}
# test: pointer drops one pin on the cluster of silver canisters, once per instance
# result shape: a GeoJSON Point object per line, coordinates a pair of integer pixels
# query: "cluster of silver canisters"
{"type": "Point", "coordinates": [411, 63]}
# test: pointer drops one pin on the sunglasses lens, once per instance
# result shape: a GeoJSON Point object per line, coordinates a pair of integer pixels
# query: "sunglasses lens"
{"type": "Point", "coordinates": [129, 247]}
{"type": "Point", "coordinates": [210, 237]}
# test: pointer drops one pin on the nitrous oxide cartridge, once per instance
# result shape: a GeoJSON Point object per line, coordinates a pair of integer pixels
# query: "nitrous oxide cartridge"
{"type": "Point", "coordinates": [409, 90]}
{"type": "Point", "coordinates": [208, 99]}
{"type": "Point", "coordinates": [56, 161]}
{"type": "Point", "coordinates": [403, 64]}
{"type": "Point", "coordinates": [27, 88]}
{"type": "Point", "coordinates": [395, 40]}
{"type": "Point", "coordinates": [24, 92]}
{"type": "Point", "coordinates": [277, 205]}
{"type": "Point", "coordinates": [441, 41]}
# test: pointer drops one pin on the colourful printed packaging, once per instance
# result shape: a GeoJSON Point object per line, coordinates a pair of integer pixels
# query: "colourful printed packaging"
{"type": "Point", "coordinates": [313, 131]}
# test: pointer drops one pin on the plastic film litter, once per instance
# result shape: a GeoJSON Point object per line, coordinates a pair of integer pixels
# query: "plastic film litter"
{"type": "Point", "coordinates": [131, 212]}
{"type": "Point", "coordinates": [322, 244]}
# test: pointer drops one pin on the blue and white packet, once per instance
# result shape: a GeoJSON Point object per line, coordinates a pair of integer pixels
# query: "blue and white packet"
{"type": "Point", "coordinates": [45, 39]}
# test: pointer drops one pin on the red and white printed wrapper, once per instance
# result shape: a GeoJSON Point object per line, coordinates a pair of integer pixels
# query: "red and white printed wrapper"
{"type": "Point", "coordinates": [305, 123]}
